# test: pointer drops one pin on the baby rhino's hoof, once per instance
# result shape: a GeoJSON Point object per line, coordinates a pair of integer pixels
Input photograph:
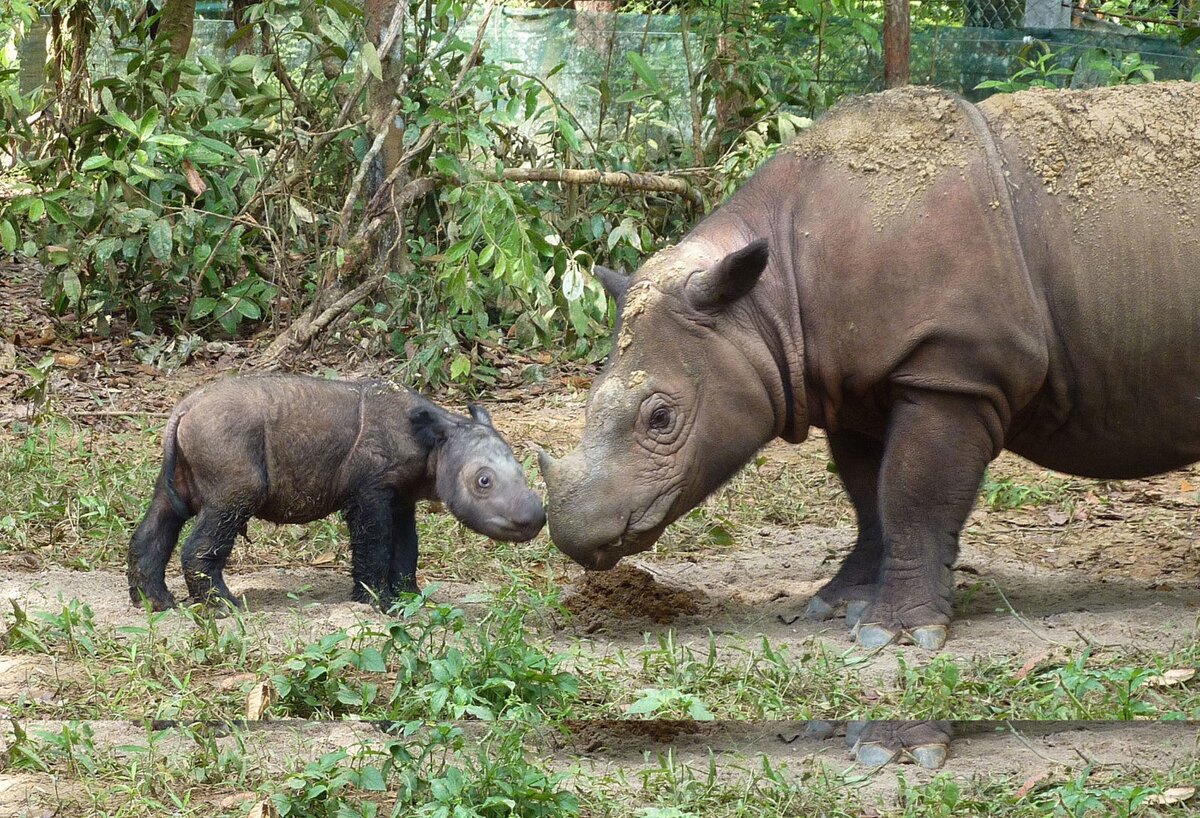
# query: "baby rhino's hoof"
{"type": "Point", "coordinates": [162, 601]}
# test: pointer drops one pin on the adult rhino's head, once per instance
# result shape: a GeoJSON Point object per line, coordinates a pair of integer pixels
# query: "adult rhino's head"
{"type": "Point", "coordinates": [696, 383]}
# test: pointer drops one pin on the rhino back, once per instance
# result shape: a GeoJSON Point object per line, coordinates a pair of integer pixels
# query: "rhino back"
{"type": "Point", "coordinates": [1106, 184]}
{"type": "Point", "coordinates": [907, 270]}
{"type": "Point", "coordinates": [273, 443]}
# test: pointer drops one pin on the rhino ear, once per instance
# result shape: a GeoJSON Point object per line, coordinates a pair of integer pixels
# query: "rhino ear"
{"type": "Point", "coordinates": [729, 279]}
{"type": "Point", "coordinates": [615, 284]}
{"type": "Point", "coordinates": [428, 427]}
{"type": "Point", "coordinates": [479, 414]}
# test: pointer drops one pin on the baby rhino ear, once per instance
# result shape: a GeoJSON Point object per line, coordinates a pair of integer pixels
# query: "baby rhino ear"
{"type": "Point", "coordinates": [479, 414]}
{"type": "Point", "coordinates": [428, 428]}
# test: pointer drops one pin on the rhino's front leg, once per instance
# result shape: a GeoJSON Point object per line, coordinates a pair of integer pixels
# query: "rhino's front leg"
{"type": "Point", "coordinates": [402, 573]}
{"type": "Point", "coordinates": [937, 448]}
{"type": "Point", "coordinates": [858, 459]}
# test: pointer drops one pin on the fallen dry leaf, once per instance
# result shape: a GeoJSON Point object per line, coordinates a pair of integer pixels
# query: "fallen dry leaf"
{"type": "Point", "coordinates": [1173, 795]}
{"type": "Point", "coordinates": [263, 809]}
{"type": "Point", "coordinates": [1185, 485]}
{"type": "Point", "coordinates": [236, 680]}
{"type": "Point", "coordinates": [197, 184]}
{"type": "Point", "coordinates": [1030, 784]}
{"type": "Point", "coordinates": [325, 558]}
{"type": "Point", "coordinates": [1057, 517]}
{"type": "Point", "coordinates": [1028, 667]}
{"type": "Point", "coordinates": [1174, 676]}
{"type": "Point", "coordinates": [237, 799]}
{"type": "Point", "coordinates": [67, 360]}
{"type": "Point", "coordinates": [258, 701]}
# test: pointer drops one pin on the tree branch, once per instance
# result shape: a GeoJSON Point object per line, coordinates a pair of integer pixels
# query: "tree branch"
{"type": "Point", "coordinates": [626, 180]}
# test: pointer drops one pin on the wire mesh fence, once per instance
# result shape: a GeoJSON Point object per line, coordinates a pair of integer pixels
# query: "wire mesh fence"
{"type": "Point", "coordinates": [583, 56]}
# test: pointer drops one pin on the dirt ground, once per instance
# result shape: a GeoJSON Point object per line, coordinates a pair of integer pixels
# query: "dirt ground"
{"type": "Point", "coordinates": [604, 755]}
{"type": "Point", "coordinates": [1106, 566]}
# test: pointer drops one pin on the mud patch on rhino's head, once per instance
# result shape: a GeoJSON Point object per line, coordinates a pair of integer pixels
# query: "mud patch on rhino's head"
{"type": "Point", "coordinates": [677, 410]}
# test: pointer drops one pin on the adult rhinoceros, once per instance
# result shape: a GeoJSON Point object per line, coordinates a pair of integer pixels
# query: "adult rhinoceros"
{"type": "Point", "coordinates": [931, 282]}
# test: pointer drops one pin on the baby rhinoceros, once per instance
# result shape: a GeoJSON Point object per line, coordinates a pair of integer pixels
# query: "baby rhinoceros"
{"type": "Point", "coordinates": [292, 449]}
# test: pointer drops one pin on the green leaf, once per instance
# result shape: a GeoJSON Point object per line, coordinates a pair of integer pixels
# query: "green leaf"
{"type": "Point", "coordinates": [171, 140]}
{"type": "Point", "coordinates": [371, 779]}
{"type": "Point", "coordinates": [37, 209]}
{"type": "Point", "coordinates": [148, 124]}
{"type": "Point", "coordinates": [118, 116]}
{"type": "Point", "coordinates": [105, 249]}
{"type": "Point", "coordinates": [371, 660]}
{"type": "Point", "coordinates": [248, 309]}
{"type": "Point", "coordinates": [93, 162]}
{"type": "Point", "coordinates": [460, 367]}
{"type": "Point", "coordinates": [203, 307]}
{"type": "Point", "coordinates": [72, 288]}
{"type": "Point", "coordinates": [645, 705]}
{"type": "Point", "coordinates": [144, 170]}
{"type": "Point", "coordinates": [370, 58]}
{"type": "Point", "coordinates": [57, 214]}
{"type": "Point", "coordinates": [8, 236]}
{"type": "Point", "coordinates": [645, 72]}
{"type": "Point", "coordinates": [160, 239]}
{"type": "Point", "coordinates": [698, 711]}
{"type": "Point", "coordinates": [243, 63]}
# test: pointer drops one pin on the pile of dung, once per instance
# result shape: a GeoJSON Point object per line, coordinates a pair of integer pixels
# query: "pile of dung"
{"type": "Point", "coordinates": [624, 593]}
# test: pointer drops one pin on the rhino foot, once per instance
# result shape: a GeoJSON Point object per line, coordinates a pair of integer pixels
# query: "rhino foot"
{"type": "Point", "coordinates": [873, 636]}
{"type": "Point", "coordinates": [836, 596]}
{"type": "Point", "coordinates": [162, 600]}
{"type": "Point", "coordinates": [855, 610]}
{"type": "Point", "coordinates": [923, 743]}
{"type": "Point", "coordinates": [818, 610]}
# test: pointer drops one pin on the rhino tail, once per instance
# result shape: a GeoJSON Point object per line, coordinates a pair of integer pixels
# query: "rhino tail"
{"type": "Point", "coordinates": [170, 461]}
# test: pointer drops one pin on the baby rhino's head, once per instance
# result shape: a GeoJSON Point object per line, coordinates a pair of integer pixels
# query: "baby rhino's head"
{"type": "Point", "coordinates": [478, 478]}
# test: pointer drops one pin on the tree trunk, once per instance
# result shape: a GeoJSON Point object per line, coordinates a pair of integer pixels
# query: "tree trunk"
{"type": "Point", "coordinates": [175, 25]}
{"type": "Point", "coordinates": [895, 43]}
{"type": "Point", "coordinates": [380, 93]}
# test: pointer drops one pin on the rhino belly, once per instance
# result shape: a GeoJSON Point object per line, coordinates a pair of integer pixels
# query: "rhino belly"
{"type": "Point", "coordinates": [1122, 397]}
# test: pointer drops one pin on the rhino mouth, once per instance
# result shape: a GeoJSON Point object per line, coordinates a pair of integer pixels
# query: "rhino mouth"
{"type": "Point", "coordinates": [606, 557]}
{"type": "Point", "coordinates": [641, 533]}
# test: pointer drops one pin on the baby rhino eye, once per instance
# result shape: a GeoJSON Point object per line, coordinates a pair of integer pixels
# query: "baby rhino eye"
{"type": "Point", "coordinates": [660, 419]}
{"type": "Point", "coordinates": [484, 481]}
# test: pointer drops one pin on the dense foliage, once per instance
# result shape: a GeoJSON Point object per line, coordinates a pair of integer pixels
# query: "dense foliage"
{"type": "Point", "coordinates": [222, 194]}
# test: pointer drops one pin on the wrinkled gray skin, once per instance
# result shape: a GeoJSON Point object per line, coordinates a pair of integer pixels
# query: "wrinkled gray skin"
{"type": "Point", "coordinates": [983, 316]}
{"type": "Point", "coordinates": [292, 449]}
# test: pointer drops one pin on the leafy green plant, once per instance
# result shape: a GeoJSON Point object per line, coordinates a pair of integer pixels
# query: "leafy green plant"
{"type": "Point", "coordinates": [669, 702]}
{"type": "Point", "coordinates": [73, 628]}
{"type": "Point", "coordinates": [442, 667]}
{"type": "Point", "coordinates": [1039, 68]}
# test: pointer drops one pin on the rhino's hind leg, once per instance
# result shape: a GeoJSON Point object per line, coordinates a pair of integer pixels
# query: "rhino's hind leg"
{"type": "Point", "coordinates": [369, 516]}
{"type": "Point", "coordinates": [937, 449]}
{"type": "Point", "coordinates": [875, 743]}
{"type": "Point", "coordinates": [858, 459]}
{"type": "Point", "coordinates": [150, 550]}
{"type": "Point", "coordinates": [402, 572]}
{"type": "Point", "coordinates": [207, 550]}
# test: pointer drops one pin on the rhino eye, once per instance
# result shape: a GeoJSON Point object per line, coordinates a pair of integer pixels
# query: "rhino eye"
{"type": "Point", "coordinates": [660, 419]}
{"type": "Point", "coordinates": [484, 480]}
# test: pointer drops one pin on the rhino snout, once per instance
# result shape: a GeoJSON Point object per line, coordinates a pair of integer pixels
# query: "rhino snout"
{"type": "Point", "coordinates": [585, 521]}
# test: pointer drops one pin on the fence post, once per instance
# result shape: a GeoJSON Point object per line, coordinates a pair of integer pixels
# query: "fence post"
{"type": "Point", "coordinates": [895, 43]}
